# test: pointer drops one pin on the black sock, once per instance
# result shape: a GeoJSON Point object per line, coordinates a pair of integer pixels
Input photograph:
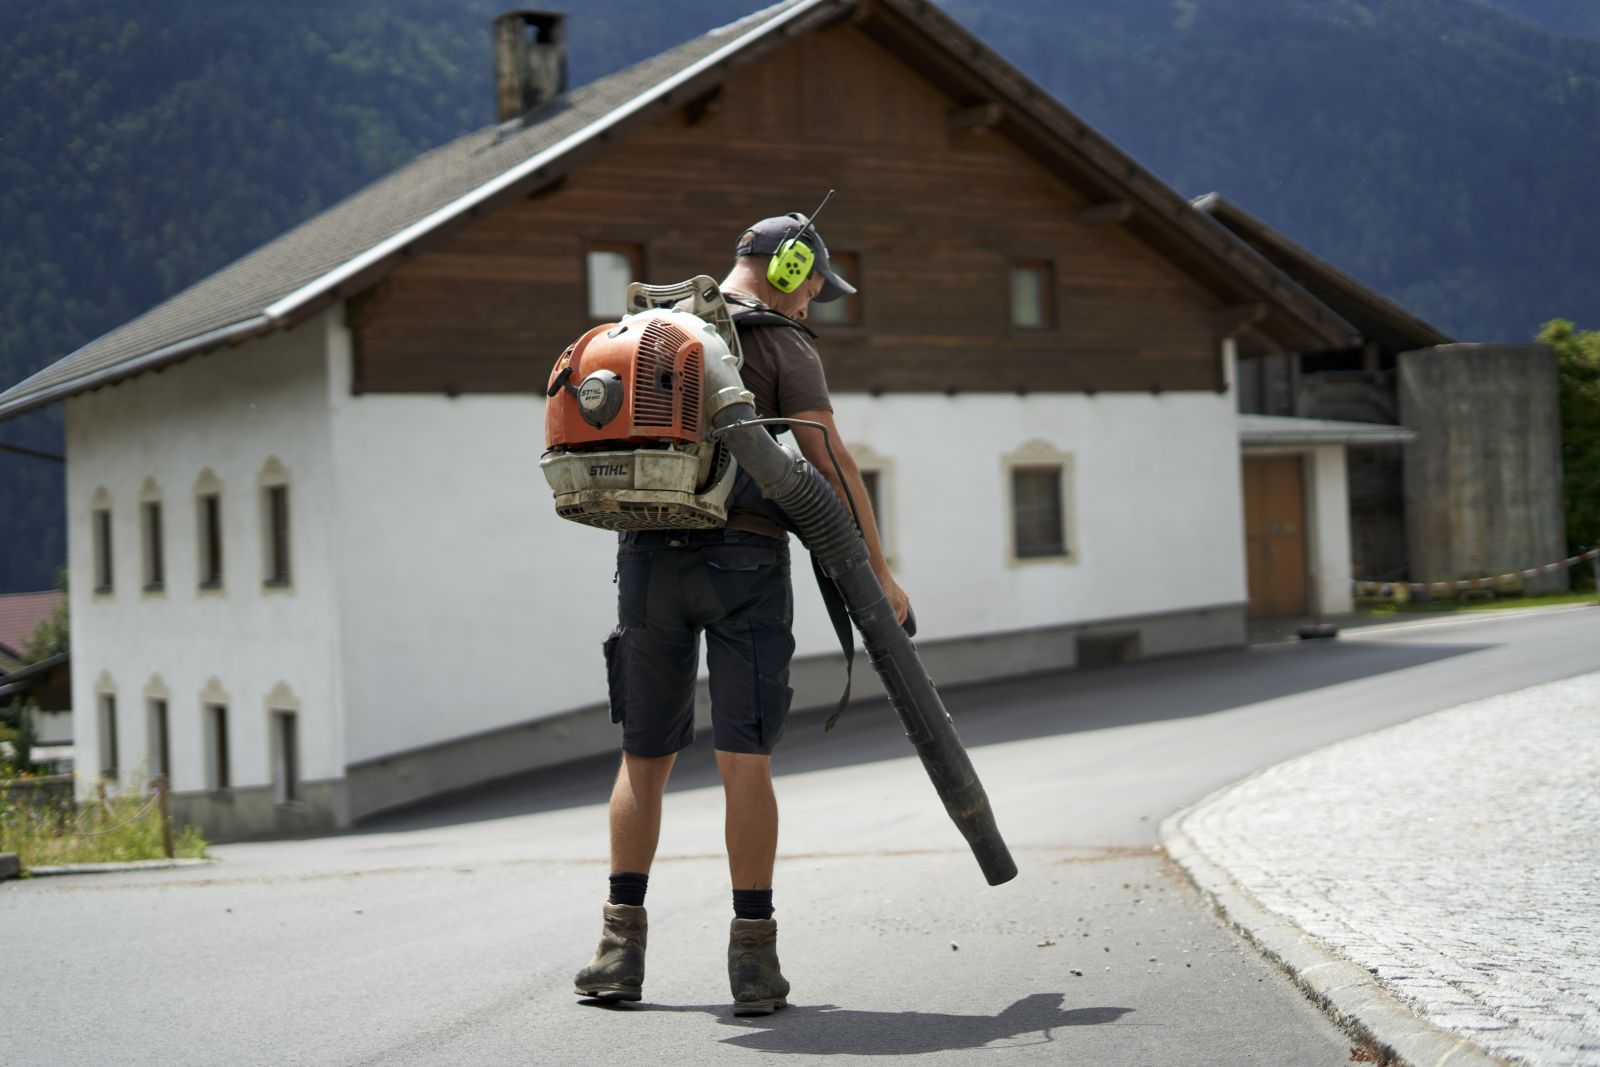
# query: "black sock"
{"type": "Point", "coordinates": [627, 887]}
{"type": "Point", "coordinates": [752, 903]}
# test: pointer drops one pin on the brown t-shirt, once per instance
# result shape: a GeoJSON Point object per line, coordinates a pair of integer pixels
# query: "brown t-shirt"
{"type": "Point", "coordinates": [784, 373]}
{"type": "Point", "coordinates": [782, 369]}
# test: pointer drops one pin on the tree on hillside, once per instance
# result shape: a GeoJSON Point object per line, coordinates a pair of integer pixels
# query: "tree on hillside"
{"type": "Point", "coordinates": [1578, 361]}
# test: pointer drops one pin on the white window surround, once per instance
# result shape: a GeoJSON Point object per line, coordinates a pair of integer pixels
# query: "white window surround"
{"type": "Point", "coordinates": [1039, 453]}
{"type": "Point", "coordinates": [288, 780]}
{"type": "Point", "coordinates": [608, 268]}
{"type": "Point", "coordinates": [103, 542]}
{"type": "Point", "coordinates": [218, 736]}
{"type": "Point", "coordinates": [869, 459]}
{"type": "Point", "coordinates": [108, 754]}
{"type": "Point", "coordinates": [152, 543]}
{"type": "Point", "coordinates": [158, 748]}
{"type": "Point", "coordinates": [209, 485]}
{"type": "Point", "coordinates": [274, 475]}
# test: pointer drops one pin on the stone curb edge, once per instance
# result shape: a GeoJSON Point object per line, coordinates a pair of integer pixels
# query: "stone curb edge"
{"type": "Point", "coordinates": [113, 868]}
{"type": "Point", "coordinates": [1347, 992]}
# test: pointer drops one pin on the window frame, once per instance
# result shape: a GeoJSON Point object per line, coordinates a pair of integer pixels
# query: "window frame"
{"type": "Point", "coordinates": [851, 305]}
{"type": "Point", "coordinates": [210, 535]}
{"type": "Point", "coordinates": [634, 252]}
{"type": "Point", "coordinates": [278, 569]}
{"type": "Point", "coordinates": [109, 755]}
{"type": "Point", "coordinates": [1055, 545]}
{"type": "Point", "coordinates": [881, 467]}
{"type": "Point", "coordinates": [1046, 270]}
{"type": "Point", "coordinates": [277, 529]}
{"type": "Point", "coordinates": [158, 730]}
{"type": "Point", "coordinates": [219, 765]}
{"type": "Point", "coordinates": [152, 539]}
{"type": "Point", "coordinates": [287, 759]}
{"type": "Point", "coordinates": [1038, 456]}
{"type": "Point", "coordinates": [102, 539]}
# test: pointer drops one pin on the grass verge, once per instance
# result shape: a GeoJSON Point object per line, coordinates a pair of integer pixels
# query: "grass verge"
{"type": "Point", "coordinates": [127, 828]}
{"type": "Point", "coordinates": [1437, 607]}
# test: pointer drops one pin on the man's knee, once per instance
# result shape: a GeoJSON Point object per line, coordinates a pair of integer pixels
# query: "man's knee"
{"type": "Point", "coordinates": [743, 766]}
{"type": "Point", "coordinates": [646, 771]}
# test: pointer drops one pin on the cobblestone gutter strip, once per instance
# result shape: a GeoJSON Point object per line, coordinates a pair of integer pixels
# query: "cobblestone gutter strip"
{"type": "Point", "coordinates": [1451, 857]}
{"type": "Point", "coordinates": [114, 868]}
{"type": "Point", "coordinates": [1347, 992]}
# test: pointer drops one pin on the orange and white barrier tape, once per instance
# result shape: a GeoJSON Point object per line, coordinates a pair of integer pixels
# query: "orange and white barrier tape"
{"type": "Point", "coordinates": [1367, 587]}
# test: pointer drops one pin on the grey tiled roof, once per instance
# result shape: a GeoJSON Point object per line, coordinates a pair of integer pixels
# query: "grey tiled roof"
{"type": "Point", "coordinates": [240, 294]}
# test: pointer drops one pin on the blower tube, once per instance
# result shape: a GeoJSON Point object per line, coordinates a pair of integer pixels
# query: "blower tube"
{"type": "Point", "coordinates": [831, 535]}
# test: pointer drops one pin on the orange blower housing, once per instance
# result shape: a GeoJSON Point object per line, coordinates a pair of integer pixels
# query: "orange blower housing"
{"type": "Point", "coordinates": [635, 383]}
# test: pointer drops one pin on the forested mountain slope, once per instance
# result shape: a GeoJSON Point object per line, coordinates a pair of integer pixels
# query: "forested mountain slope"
{"type": "Point", "coordinates": [1441, 150]}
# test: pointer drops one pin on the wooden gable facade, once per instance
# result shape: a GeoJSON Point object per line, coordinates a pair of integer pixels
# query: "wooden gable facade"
{"type": "Point", "coordinates": [938, 197]}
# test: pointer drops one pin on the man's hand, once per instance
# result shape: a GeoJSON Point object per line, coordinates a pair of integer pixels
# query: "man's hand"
{"type": "Point", "coordinates": [897, 597]}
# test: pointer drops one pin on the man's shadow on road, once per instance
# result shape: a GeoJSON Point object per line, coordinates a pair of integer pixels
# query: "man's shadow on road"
{"type": "Point", "coordinates": [829, 1030]}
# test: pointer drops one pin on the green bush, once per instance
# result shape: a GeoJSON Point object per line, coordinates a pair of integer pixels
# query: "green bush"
{"type": "Point", "coordinates": [1578, 362]}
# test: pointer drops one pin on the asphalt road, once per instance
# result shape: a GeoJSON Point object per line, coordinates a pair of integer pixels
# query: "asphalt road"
{"type": "Point", "coordinates": [449, 934]}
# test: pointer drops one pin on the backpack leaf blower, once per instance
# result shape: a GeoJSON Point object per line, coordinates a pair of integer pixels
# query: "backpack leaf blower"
{"type": "Point", "coordinates": [647, 423]}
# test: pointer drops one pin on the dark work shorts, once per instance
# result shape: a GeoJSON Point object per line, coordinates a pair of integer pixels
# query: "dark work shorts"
{"type": "Point", "coordinates": [732, 585]}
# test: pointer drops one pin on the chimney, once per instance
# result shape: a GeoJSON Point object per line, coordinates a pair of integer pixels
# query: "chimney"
{"type": "Point", "coordinates": [530, 60]}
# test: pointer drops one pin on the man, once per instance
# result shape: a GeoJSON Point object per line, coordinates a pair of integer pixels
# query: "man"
{"type": "Point", "coordinates": [733, 584]}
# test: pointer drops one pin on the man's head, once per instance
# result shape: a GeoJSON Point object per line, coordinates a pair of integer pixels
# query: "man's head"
{"type": "Point", "coordinates": [758, 244]}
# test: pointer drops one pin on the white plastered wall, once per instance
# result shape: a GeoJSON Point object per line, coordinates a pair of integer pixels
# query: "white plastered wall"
{"type": "Point", "coordinates": [470, 606]}
{"type": "Point", "coordinates": [229, 412]}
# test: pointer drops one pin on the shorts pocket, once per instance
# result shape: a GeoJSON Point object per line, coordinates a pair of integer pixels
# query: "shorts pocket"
{"type": "Point", "coordinates": [615, 674]}
{"type": "Point", "coordinates": [739, 557]}
{"type": "Point", "coordinates": [772, 709]}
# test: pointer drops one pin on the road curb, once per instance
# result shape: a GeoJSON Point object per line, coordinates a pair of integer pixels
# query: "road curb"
{"type": "Point", "coordinates": [113, 868]}
{"type": "Point", "coordinates": [1349, 993]}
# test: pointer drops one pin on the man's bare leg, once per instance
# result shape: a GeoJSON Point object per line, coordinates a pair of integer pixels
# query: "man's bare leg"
{"type": "Point", "coordinates": [751, 825]}
{"type": "Point", "coordinates": [754, 975]}
{"type": "Point", "coordinates": [636, 811]}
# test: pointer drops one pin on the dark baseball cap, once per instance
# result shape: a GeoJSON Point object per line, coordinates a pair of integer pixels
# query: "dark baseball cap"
{"type": "Point", "coordinates": [763, 239]}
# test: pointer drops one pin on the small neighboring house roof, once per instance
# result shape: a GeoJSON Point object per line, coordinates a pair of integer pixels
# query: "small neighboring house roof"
{"type": "Point", "coordinates": [1268, 430]}
{"type": "Point", "coordinates": [1376, 316]}
{"type": "Point", "coordinates": [29, 679]}
{"type": "Point", "coordinates": [346, 248]}
{"type": "Point", "coordinates": [20, 615]}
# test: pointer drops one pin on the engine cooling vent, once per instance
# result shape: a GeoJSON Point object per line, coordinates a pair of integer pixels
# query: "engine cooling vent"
{"type": "Point", "coordinates": [656, 384]}
{"type": "Point", "coordinates": [622, 515]}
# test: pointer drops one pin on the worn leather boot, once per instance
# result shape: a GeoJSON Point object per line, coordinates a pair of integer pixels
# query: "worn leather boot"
{"type": "Point", "coordinates": [759, 988]}
{"type": "Point", "coordinates": [617, 970]}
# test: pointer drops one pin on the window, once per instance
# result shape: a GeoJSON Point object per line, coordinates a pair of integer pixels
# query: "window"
{"type": "Point", "coordinates": [218, 776]}
{"type": "Point", "coordinates": [108, 736]}
{"type": "Point", "coordinates": [1036, 516]}
{"type": "Point", "coordinates": [154, 564]}
{"type": "Point", "coordinates": [846, 311]}
{"type": "Point", "coordinates": [102, 550]}
{"type": "Point", "coordinates": [210, 541]}
{"type": "Point", "coordinates": [610, 268]}
{"type": "Point", "coordinates": [285, 757]}
{"type": "Point", "coordinates": [1032, 295]}
{"type": "Point", "coordinates": [277, 500]}
{"type": "Point", "coordinates": [160, 739]}
{"type": "Point", "coordinates": [869, 478]}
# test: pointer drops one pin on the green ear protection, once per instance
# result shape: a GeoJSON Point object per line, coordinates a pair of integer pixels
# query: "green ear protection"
{"type": "Point", "coordinates": [791, 263]}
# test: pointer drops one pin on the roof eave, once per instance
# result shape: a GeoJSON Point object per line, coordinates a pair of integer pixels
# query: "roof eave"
{"type": "Point", "coordinates": [154, 360]}
{"type": "Point", "coordinates": [1227, 214]}
{"type": "Point", "coordinates": [367, 268]}
{"type": "Point", "coordinates": [1162, 217]}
